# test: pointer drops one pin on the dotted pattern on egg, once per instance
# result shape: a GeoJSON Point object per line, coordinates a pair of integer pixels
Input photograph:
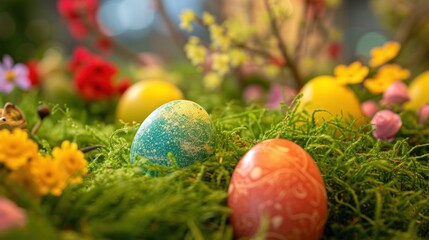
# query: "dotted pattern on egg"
{"type": "Point", "coordinates": [180, 127]}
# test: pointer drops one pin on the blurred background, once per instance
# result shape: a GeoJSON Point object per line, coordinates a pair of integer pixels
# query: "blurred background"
{"type": "Point", "coordinates": [29, 27]}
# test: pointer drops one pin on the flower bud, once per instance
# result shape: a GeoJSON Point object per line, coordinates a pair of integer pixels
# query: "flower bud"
{"type": "Point", "coordinates": [396, 93]}
{"type": "Point", "coordinates": [253, 93]}
{"type": "Point", "coordinates": [11, 215]}
{"type": "Point", "coordinates": [423, 113]}
{"type": "Point", "coordinates": [279, 94]}
{"type": "Point", "coordinates": [386, 125]}
{"type": "Point", "coordinates": [369, 108]}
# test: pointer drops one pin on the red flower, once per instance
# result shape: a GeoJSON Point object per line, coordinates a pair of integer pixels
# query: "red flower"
{"type": "Point", "coordinates": [278, 61]}
{"type": "Point", "coordinates": [81, 56]}
{"type": "Point", "coordinates": [33, 72]}
{"type": "Point", "coordinates": [78, 13]}
{"type": "Point", "coordinates": [315, 8]}
{"type": "Point", "coordinates": [94, 79]}
{"type": "Point", "coordinates": [104, 44]}
{"type": "Point", "coordinates": [94, 76]}
{"type": "Point", "coordinates": [334, 50]}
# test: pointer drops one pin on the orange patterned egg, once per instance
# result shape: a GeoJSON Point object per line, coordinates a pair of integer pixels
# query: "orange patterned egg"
{"type": "Point", "coordinates": [279, 180]}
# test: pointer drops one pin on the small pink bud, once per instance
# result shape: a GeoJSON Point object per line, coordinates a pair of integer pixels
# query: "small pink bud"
{"type": "Point", "coordinates": [369, 108]}
{"type": "Point", "coordinates": [396, 93]}
{"type": "Point", "coordinates": [278, 94]}
{"type": "Point", "coordinates": [11, 216]}
{"type": "Point", "coordinates": [386, 125]}
{"type": "Point", "coordinates": [253, 93]}
{"type": "Point", "coordinates": [423, 113]}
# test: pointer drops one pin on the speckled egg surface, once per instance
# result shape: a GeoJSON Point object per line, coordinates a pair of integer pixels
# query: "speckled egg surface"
{"type": "Point", "coordinates": [279, 180]}
{"type": "Point", "coordinates": [180, 127]}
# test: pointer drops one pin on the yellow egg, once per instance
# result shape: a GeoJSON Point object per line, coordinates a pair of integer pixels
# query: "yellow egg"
{"type": "Point", "coordinates": [418, 91]}
{"type": "Point", "coordinates": [144, 97]}
{"type": "Point", "coordinates": [324, 93]}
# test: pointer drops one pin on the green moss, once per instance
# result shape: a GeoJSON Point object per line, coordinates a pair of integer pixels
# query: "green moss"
{"type": "Point", "coordinates": [376, 190]}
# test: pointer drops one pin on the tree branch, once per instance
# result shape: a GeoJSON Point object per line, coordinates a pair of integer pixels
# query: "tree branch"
{"type": "Point", "coordinates": [178, 39]}
{"type": "Point", "coordinates": [282, 47]}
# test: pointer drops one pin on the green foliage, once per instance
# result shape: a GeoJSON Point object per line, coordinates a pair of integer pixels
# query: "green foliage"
{"type": "Point", "coordinates": [376, 190]}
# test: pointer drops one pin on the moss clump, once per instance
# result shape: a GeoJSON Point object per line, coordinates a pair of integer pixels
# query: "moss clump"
{"type": "Point", "coordinates": [376, 190]}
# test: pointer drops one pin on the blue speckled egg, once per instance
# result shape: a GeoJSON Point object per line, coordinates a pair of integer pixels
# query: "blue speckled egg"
{"type": "Point", "coordinates": [182, 128]}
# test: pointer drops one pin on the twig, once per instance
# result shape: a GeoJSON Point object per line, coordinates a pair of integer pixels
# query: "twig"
{"type": "Point", "coordinates": [116, 46]}
{"type": "Point", "coordinates": [408, 23]}
{"type": "Point", "coordinates": [302, 33]}
{"type": "Point", "coordinates": [282, 47]}
{"type": "Point", "coordinates": [179, 40]}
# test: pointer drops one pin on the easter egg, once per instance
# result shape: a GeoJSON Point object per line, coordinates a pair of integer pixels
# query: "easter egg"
{"type": "Point", "coordinates": [182, 128]}
{"type": "Point", "coordinates": [324, 93]}
{"type": "Point", "coordinates": [278, 181]}
{"type": "Point", "coordinates": [144, 97]}
{"type": "Point", "coordinates": [418, 91]}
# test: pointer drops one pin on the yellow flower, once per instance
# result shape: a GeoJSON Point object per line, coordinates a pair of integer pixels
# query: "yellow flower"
{"type": "Point", "coordinates": [393, 73]}
{"type": "Point", "coordinates": [352, 74]}
{"type": "Point", "coordinates": [282, 9]}
{"type": "Point", "coordinates": [218, 37]}
{"type": "Point", "coordinates": [376, 85]}
{"type": "Point", "coordinates": [220, 63]}
{"type": "Point", "coordinates": [72, 160]}
{"type": "Point", "coordinates": [385, 76]}
{"type": "Point", "coordinates": [238, 57]}
{"type": "Point", "coordinates": [16, 149]}
{"type": "Point", "coordinates": [208, 19]}
{"type": "Point", "coordinates": [186, 19]}
{"type": "Point", "coordinates": [212, 80]}
{"type": "Point", "coordinates": [237, 31]}
{"type": "Point", "coordinates": [49, 175]}
{"type": "Point", "coordinates": [383, 54]}
{"type": "Point", "coordinates": [195, 52]}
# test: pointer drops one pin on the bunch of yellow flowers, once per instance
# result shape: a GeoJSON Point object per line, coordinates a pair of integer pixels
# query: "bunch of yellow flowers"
{"type": "Point", "coordinates": [225, 51]}
{"type": "Point", "coordinates": [39, 174]}
{"type": "Point", "coordinates": [386, 74]}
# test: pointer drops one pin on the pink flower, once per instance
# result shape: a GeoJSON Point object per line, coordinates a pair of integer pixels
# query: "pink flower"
{"type": "Point", "coordinates": [396, 93]}
{"type": "Point", "coordinates": [253, 93]}
{"type": "Point", "coordinates": [369, 108]}
{"type": "Point", "coordinates": [10, 215]}
{"type": "Point", "coordinates": [386, 125]}
{"type": "Point", "coordinates": [11, 75]}
{"type": "Point", "coordinates": [278, 94]}
{"type": "Point", "coordinates": [423, 113]}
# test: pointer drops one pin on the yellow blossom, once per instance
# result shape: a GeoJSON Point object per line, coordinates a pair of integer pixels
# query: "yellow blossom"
{"type": "Point", "coordinates": [72, 160]}
{"type": "Point", "coordinates": [195, 52]}
{"type": "Point", "coordinates": [16, 149]}
{"type": "Point", "coordinates": [49, 175]}
{"type": "Point", "coordinates": [352, 74]}
{"type": "Point", "coordinates": [385, 76]}
{"type": "Point", "coordinates": [208, 19]}
{"type": "Point", "coordinates": [272, 70]}
{"type": "Point", "coordinates": [281, 9]}
{"type": "Point", "coordinates": [393, 73]}
{"type": "Point", "coordinates": [237, 31]}
{"type": "Point", "coordinates": [376, 86]}
{"type": "Point", "coordinates": [238, 57]}
{"type": "Point", "coordinates": [212, 80]}
{"type": "Point", "coordinates": [383, 54]}
{"type": "Point", "coordinates": [220, 63]}
{"type": "Point", "coordinates": [186, 19]}
{"type": "Point", "coordinates": [218, 37]}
